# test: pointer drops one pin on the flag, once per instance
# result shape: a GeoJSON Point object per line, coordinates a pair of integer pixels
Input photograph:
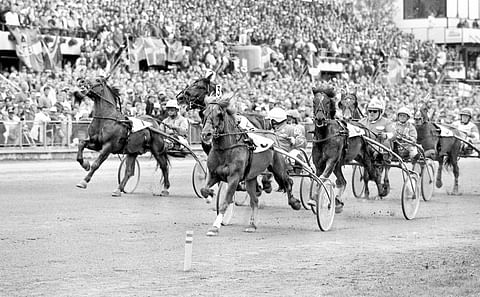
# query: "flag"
{"type": "Point", "coordinates": [136, 53]}
{"type": "Point", "coordinates": [155, 51]}
{"type": "Point", "coordinates": [464, 90]}
{"type": "Point", "coordinates": [175, 51]}
{"type": "Point", "coordinates": [395, 71]}
{"type": "Point", "coordinates": [28, 47]}
{"type": "Point", "coordinates": [265, 57]}
{"type": "Point", "coordinates": [52, 57]}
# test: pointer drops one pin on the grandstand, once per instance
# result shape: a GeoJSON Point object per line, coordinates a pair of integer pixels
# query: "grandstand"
{"type": "Point", "coordinates": [269, 52]}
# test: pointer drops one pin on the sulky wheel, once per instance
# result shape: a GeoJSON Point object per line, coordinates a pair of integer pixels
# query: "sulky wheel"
{"type": "Point", "coordinates": [222, 191]}
{"type": "Point", "coordinates": [199, 177]}
{"type": "Point", "coordinates": [325, 208]}
{"type": "Point", "coordinates": [358, 184]}
{"type": "Point", "coordinates": [410, 196]}
{"type": "Point", "coordinates": [133, 181]}
{"type": "Point", "coordinates": [427, 181]}
{"type": "Point", "coordinates": [305, 191]}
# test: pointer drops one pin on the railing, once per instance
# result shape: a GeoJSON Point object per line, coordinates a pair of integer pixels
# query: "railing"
{"type": "Point", "coordinates": [65, 134]}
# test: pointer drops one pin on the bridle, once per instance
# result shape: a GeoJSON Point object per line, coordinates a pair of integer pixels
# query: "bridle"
{"type": "Point", "coordinates": [191, 104]}
{"type": "Point", "coordinates": [86, 87]}
{"type": "Point", "coordinates": [218, 132]}
{"type": "Point", "coordinates": [322, 109]}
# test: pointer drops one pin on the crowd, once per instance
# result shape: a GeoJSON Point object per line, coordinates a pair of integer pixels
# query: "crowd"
{"type": "Point", "coordinates": [298, 33]}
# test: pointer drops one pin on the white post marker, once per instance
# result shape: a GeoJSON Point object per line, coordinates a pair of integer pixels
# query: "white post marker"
{"type": "Point", "coordinates": [187, 262]}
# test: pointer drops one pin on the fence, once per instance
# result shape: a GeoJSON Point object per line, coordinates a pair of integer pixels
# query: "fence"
{"type": "Point", "coordinates": [15, 134]}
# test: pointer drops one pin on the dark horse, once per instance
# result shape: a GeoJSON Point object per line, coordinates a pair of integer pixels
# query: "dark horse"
{"type": "Point", "coordinates": [445, 149]}
{"type": "Point", "coordinates": [333, 148]}
{"type": "Point", "coordinates": [110, 132]}
{"type": "Point", "coordinates": [194, 97]}
{"type": "Point", "coordinates": [232, 160]}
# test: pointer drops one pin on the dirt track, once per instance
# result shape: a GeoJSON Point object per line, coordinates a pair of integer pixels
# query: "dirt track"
{"type": "Point", "coordinates": [57, 240]}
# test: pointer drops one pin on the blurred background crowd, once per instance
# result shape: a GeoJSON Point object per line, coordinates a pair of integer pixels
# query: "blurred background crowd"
{"type": "Point", "coordinates": [299, 34]}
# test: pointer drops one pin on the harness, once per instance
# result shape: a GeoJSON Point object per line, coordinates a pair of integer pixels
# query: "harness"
{"type": "Point", "coordinates": [247, 142]}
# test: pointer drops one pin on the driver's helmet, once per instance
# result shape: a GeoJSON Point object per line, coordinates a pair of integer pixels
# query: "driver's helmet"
{"type": "Point", "coordinates": [277, 114]}
{"type": "Point", "coordinates": [172, 104]}
{"type": "Point", "coordinates": [404, 110]}
{"type": "Point", "coordinates": [293, 113]}
{"type": "Point", "coordinates": [376, 103]}
{"type": "Point", "coordinates": [467, 111]}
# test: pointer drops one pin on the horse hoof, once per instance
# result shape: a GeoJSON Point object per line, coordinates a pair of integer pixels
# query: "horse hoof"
{"type": "Point", "coordinates": [208, 200]}
{"type": "Point", "coordinates": [338, 208]}
{"type": "Point", "coordinates": [251, 229]}
{"type": "Point", "coordinates": [296, 205]}
{"type": "Point", "coordinates": [312, 203]}
{"type": "Point", "coordinates": [213, 231]}
{"type": "Point", "coordinates": [164, 193]}
{"type": "Point", "coordinates": [439, 184]}
{"type": "Point", "coordinates": [206, 192]}
{"type": "Point", "coordinates": [82, 185]}
{"type": "Point", "coordinates": [116, 193]}
{"type": "Point", "coordinates": [454, 193]}
{"type": "Point", "coordinates": [86, 166]}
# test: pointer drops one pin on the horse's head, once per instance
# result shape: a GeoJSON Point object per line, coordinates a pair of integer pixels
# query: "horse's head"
{"type": "Point", "coordinates": [420, 116]}
{"type": "Point", "coordinates": [323, 104]}
{"type": "Point", "coordinates": [216, 121]}
{"type": "Point", "coordinates": [349, 106]}
{"type": "Point", "coordinates": [98, 90]}
{"type": "Point", "coordinates": [194, 95]}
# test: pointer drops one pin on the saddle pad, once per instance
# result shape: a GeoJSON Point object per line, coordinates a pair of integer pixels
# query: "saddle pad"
{"type": "Point", "coordinates": [354, 131]}
{"type": "Point", "coordinates": [138, 124]}
{"type": "Point", "coordinates": [445, 131]}
{"type": "Point", "coordinates": [261, 143]}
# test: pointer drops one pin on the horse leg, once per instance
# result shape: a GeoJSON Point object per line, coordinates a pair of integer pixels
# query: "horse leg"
{"type": "Point", "coordinates": [231, 188]}
{"type": "Point", "coordinates": [81, 146]}
{"type": "Point", "coordinates": [129, 172]}
{"type": "Point", "coordinates": [456, 173]}
{"type": "Point", "coordinates": [284, 181]}
{"type": "Point", "coordinates": [162, 162]}
{"type": "Point", "coordinates": [104, 153]}
{"type": "Point", "coordinates": [207, 191]}
{"type": "Point", "coordinates": [385, 189]}
{"type": "Point", "coordinates": [341, 184]}
{"type": "Point", "coordinates": [252, 189]}
{"type": "Point", "coordinates": [439, 183]}
{"type": "Point", "coordinates": [325, 174]}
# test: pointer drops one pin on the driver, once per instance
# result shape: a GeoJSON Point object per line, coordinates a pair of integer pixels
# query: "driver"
{"type": "Point", "coordinates": [175, 125]}
{"type": "Point", "coordinates": [466, 126]}
{"type": "Point", "coordinates": [382, 127]}
{"type": "Point", "coordinates": [406, 130]}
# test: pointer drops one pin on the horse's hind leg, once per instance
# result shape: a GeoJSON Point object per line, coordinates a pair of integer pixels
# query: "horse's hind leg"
{"type": "Point", "coordinates": [284, 181]}
{"type": "Point", "coordinates": [456, 173]}
{"type": "Point", "coordinates": [104, 153]}
{"type": "Point", "coordinates": [386, 183]}
{"type": "Point", "coordinates": [162, 161]}
{"type": "Point", "coordinates": [231, 188]}
{"type": "Point", "coordinates": [439, 182]}
{"type": "Point", "coordinates": [129, 172]}
{"type": "Point", "coordinates": [252, 189]}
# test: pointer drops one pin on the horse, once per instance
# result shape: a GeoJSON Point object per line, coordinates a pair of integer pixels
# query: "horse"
{"type": "Point", "coordinates": [445, 150]}
{"type": "Point", "coordinates": [348, 105]}
{"type": "Point", "coordinates": [110, 132]}
{"type": "Point", "coordinates": [232, 160]}
{"type": "Point", "coordinates": [333, 148]}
